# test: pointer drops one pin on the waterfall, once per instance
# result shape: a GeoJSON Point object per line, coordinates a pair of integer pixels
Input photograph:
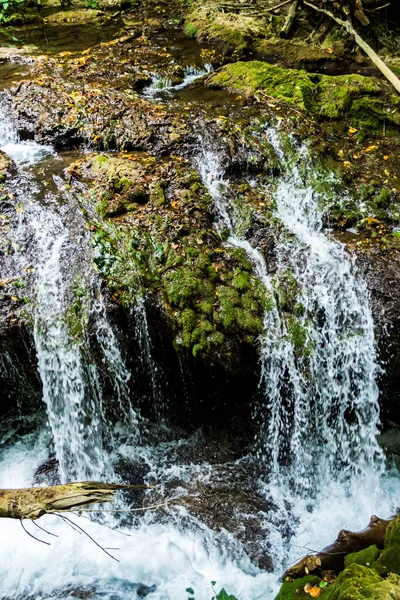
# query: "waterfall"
{"type": "Point", "coordinates": [320, 415]}
{"type": "Point", "coordinates": [162, 85]}
{"type": "Point", "coordinates": [333, 396]}
{"type": "Point", "coordinates": [71, 378]}
{"type": "Point", "coordinates": [70, 391]}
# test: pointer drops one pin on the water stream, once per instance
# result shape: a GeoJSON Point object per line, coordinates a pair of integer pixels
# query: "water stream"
{"type": "Point", "coordinates": [318, 414]}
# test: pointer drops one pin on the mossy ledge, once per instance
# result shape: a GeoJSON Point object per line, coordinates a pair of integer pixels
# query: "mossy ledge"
{"type": "Point", "coordinates": [366, 102]}
{"type": "Point", "coordinates": [153, 234]}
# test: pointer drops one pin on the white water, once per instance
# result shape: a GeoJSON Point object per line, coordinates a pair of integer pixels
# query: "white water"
{"type": "Point", "coordinates": [171, 555]}
{"type": "Point", "coordinates": [320, 415]}
{"type": "Point", "coordinates": [162, 85]}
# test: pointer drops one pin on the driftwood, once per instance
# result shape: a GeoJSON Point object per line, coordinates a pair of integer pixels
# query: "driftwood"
{"type": "Point", "coordinates": [331, 558]}
{"type": "Point", "coordinates": [290, 19]}
{"type": "Point", "coordinates": [32, 503]}
{"type": "Point", "coordinates": [390, 76]}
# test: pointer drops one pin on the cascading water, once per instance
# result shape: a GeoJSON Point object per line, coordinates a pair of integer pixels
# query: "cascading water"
{"type": "Point", "coordinates": [72, 388]}
{"type": "Point", "coordinates": [158, 560]}
{"type": "Point", "coordinates": [320, 415]}
{"type": "Point", "coordinates": [162, 85]}
{"type": "Point", "coordinates": [333, 416]}
{"type": "Point", "coordinates": [73, 405]}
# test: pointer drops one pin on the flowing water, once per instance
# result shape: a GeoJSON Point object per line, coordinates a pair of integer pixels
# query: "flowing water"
{"type": "Point", "coordinates": [318, 412]}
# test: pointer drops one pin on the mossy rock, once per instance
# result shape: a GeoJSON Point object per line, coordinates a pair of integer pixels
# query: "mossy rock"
{"type": "Point", "coordinates": [291, 590]}
{"type": "Point", "coordinates": [366, 557]}
{"type": "Point", "coordinates": [364, 101]}
{"type": "Point", "coordinates": [389, 560]}
{"type": "Point", "coordinates": [250, 77]}
{"type": "Point", "coordinates": [357, 582]}
{"type": "Point", "coordinates": [168, 246]}
{"type": "Point", "coordinates": [237, 32]}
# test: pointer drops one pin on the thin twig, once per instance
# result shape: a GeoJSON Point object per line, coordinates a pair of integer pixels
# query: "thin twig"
{"type": "Point", "coordinates": [67, 520]}
{"type": "Point", "coordinates": [378, 8]}
{"type": "Point", "coordinates": [102, 524]}
{"type": "Point", "coordinates": [32, 536]}
{"type": "Point", "coordinates": [45, 530]}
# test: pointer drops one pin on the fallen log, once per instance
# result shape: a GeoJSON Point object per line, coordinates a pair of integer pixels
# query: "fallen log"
{"type": "Point", "coordinates": [331, 558]}
{"type": "Point", "coordinates": [32, 503]}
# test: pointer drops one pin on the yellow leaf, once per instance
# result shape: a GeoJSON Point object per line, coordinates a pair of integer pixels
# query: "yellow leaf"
{"type": "Point", "coordinates": [371, 148]}
{"type": "Point", "coordinates": [386, 172]}
{"type": "Point", "coordinates": [352, 130]}
{"type": "Point", "coordinates": [347, 163]}
{"type": "Point", "coordinates": [330, 50]}
{"type": "Point", "coordinates": [340, 153]}
{"type": "Point", "coordinates": [314, 591]}
{"type": "Point", "coordinates": [19, 209]}
{"type": "Point", "coordinates": [385, 158]}
{"type": "Point", "coordinates": [14, 298]}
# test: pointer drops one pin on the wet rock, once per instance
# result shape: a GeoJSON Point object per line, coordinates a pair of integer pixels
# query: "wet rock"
{"type": "Point", "coordinates": [208, 292]}
{"type": "Point", "coordinates": [7, 167]}
{"type": "Point", "coordinates": [47, 473]}
{"type": "Point", "coordinates": [64, 116]}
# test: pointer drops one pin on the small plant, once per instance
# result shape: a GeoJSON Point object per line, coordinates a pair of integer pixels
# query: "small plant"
{"type": "Point", "coordinates": [222, 595]}
{"type": "Point", "coordinates": [191, 30]}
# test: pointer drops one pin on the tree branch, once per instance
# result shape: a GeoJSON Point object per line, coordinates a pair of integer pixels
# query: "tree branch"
{"type": "Point", "coordinates": [32, 503]}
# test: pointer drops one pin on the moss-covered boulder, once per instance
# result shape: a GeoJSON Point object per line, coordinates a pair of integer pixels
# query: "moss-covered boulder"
{"type": "Point", "coordinates": [291, 590]}
{"type": "Point", "coordinates": [153, 233]}
{"type": "Point", "coordinates": [365, 101]}
{"type": "Point", "coordinates": [357, 582]}
{"type": "Point", "coordinates": [389, 560]}
{"type": "Point", "coordinates": [366, 557]}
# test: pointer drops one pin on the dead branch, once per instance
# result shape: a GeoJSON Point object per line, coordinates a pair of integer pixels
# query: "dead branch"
{"type": "Point", "coordinates": [32, 503]}
{"type": "Point", "coordinates": [331, 558]}
{"type": "Point", "coordinates": [390, 76]}
{"type": "Point", "coordinates": [289, 21]}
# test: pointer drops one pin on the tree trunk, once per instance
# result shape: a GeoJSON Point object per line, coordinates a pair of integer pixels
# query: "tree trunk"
{"type": "Point", "coordinates": [331, 558]}
{"type": "Point", "coordinates": [32, 503]}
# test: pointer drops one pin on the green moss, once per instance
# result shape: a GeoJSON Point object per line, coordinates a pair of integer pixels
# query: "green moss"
{"type": "Point", "coordinates": [191, 30]}
{"type": "Point", "coordinates": [188, 319]}
{"type": "Point", "coordinates": [241, 282]}
{"type": "Point", "coordinates": [363, 100]}
{"type": "Point", "coordinates": [298, 336]}
{"type": "Point", "coordinates": [291, 590]}
{"type": "Point", "coordinates": [383, 199]}
{"type": "Point", "coordinates": [366, 557]}
{"type": "Point", "coordinates": [389, 560]}
{"type": "Point", "coordinates": [157, 195]}
{"type": "Point", "coordinates": [238, 32]}
{"type": "Point", "coordinates": [250, 77]}
{"type": "Point", "coordinates": [357, 582]}
{"type": "Point", "coordinates": [76, 316]}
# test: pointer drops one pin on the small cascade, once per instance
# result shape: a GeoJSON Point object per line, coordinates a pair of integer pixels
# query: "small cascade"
{"type": "Point", "coordinates": [70, 390]}
{"type": "Point", "coordinates": [161, 85]}
{"type": "Point", "coordinates": [324, 417]}
{"type": "Point", "coordinates": [150, 369]}
{"type": "Point", "coordinates": [72, 379]}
